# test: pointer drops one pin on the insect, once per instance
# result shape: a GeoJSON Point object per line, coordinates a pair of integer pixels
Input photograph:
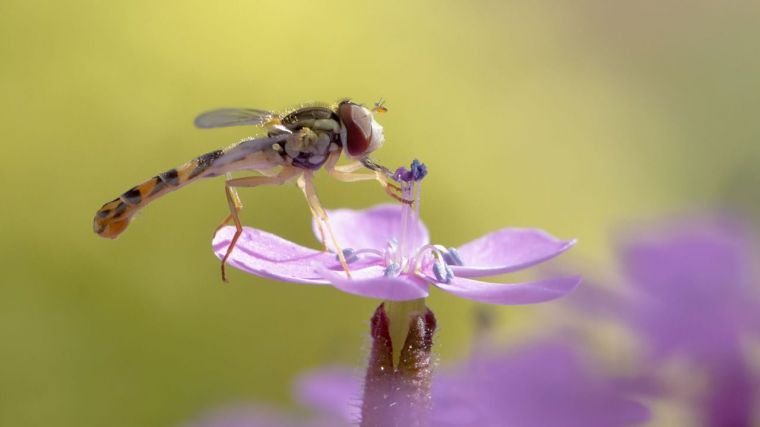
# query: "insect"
{"type": "Point", "coordinates": [297, 143]}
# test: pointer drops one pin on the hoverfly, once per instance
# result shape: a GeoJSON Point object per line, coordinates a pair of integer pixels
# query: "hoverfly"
{"type": "Point", "coordinates": [297, 143]}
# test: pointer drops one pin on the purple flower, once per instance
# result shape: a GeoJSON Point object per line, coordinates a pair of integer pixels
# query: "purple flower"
{"type": "Point", "coordinates": [395, 262]}
{"type": "Point", "coordinates": [696, 298]}
{"type": "Point", "coordinates": [732, 394]}
{"type": "Point", "coordinates": [333, 391]}
{"type": "Point", "coordinates": [693, 299]}
{"type": "Point", "coordinates": [695, 288]}
{"type": "Point", "coordinates": [547, 383]}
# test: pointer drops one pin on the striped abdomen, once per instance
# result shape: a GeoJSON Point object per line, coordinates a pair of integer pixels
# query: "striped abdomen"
{"type": "Point", "coordinates": [113, 218]}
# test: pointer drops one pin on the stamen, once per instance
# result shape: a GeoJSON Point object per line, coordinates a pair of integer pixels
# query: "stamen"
{"type": "Point", "coordinates": [442, 271]}
{"type": "Point", "coordinates": [401, 175]}
{"type": "Point", "coordinates": [419, 170]}
{"type": "Point", "coordinates": [451, 256]}
{"type": "Point", "coordinates": [349, 254]}
{"type": "Point", "coordinates": [392, 246]}
{"type": "Point", "coordinates": [390, 250]}
{"type": "Point", "coordinates": [392, 270]}
{"type": "Point", "coordinates": [405, 223]}
{"type": "Point", "coordinates": [352, 255]}
{"type": "Point", "coordinates": [419, 257]}
{"type": "Point", "coordinates": [415, 213]}
{"type": "Point", "coordinates": [409, 184]}
{"type": "Point", "coordinates": [370, 251]}
{"type": "Point", "coordinates": [418, 199]}
{"type": "Point", "coordinates": [417, 173]}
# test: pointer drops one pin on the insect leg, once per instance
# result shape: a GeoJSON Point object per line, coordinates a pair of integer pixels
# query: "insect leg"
{"type": "Point", "coordinates": [317, 220]}
{"type": "Point", "coordinates": [350, 167]}
{"type": "Point", "coordinates": [284, 176]}
{"type": "Point", "coordinates": [233, 196]}
{"type": "Point", "coordinates": [316, 207]}
{"type": "Point", "coordinates": [354, 166]}
{"type": "Point", "coordinates": [346, 174]}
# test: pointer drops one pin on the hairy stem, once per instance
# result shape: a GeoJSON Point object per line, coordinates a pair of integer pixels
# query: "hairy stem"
{"type": "Point", "coordinates": [398, 394]}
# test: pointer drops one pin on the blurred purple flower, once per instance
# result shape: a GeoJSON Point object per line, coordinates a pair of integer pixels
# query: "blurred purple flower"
{"type": "Point", "coordinates": [732, 395]}
{"type": "Point", "coordinates": [544, 384]}
{"type": "Point", "coordinates": [692, 297]}
{"type": "Point", "coordinates": [395, 262]}
{"type": "Point", "coordinates": [695, 288]}
{"type": "Point", "coordinates": [696, 298]}
{"type": "Point", "coordinates": [334, 391]}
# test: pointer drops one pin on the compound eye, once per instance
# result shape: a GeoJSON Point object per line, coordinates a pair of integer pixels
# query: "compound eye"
{"type": "Point", "coordinates": [357, 121]}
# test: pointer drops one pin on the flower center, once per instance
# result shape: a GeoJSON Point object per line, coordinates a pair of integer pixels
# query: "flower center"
{"type": "Point", "coordinates": [404, 255]}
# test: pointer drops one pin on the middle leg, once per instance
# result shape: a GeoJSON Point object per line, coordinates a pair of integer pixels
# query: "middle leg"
{"type": "Point", "coordinates": [321, 216]}
{"type": "Point", "coordinates": [286, 174]}
{"type": "Point", "coordinates": [317, 220]}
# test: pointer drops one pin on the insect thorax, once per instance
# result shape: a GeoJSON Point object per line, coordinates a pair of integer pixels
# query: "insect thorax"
{"type": "Point", "coordinates": [315, 133]}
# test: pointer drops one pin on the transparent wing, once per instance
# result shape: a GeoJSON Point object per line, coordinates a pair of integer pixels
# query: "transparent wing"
{"type": "Point", "coordinates": [233, 117]}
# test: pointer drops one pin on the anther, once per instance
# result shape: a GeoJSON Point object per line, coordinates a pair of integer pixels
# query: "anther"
{"type": "Point", "coordinates": [392, 270]}
{"type": "Point", "coordinates": [402, 175]}
{"type": "Point", "coordinates": [419, 170]}
{"type": "Point", "coordinates": [349, 254]}
{"type": "Point", "coordinates": [442, 271]}
{"type": "Point", "coordinates": [416, 173]}
{"type": "Point", "coordinates": [451, 256]}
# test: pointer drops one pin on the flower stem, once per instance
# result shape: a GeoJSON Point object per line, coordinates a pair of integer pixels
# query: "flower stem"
{"type": "Point", "coordinates": [398, 394]}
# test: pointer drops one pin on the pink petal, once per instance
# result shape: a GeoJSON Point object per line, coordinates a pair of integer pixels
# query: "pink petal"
{"type": "Point", "coordinates": [267, 255]}
{"type": "Point", "coordinates": [506, 250]}
{"type": "Point", "coordinates": [511, 294]}
{"type": "Point", "coordinates": [371, 282]}
{"type": "Point", "coordinates": [370, 228]}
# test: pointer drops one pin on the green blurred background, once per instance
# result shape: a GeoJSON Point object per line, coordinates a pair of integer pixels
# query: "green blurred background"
{"type": "Point", "coordinates": [571, 117]}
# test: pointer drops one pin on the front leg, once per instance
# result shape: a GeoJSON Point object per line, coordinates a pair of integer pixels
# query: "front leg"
{"type": "Point", "coordinates": [346, 174]}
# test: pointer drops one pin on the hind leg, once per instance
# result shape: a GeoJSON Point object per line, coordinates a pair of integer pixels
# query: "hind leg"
{"type": "Point", "coordinates": [232, 196]}
{"type": "Point", "coordinates": [234, 204]}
